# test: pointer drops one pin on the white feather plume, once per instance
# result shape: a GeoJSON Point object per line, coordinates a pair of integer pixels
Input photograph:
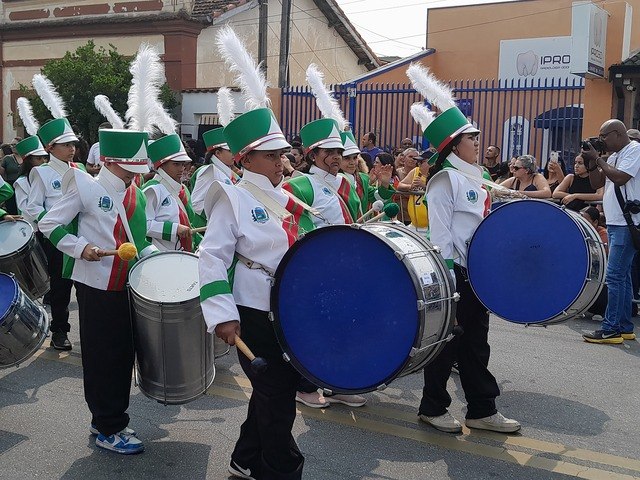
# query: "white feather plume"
{"type": "Point", "coordinates": [103, 105]}
{"type": "Point", "coordinates": [249, 76]}
{"type": "Point", "coordinates": [142, 104]}
{"type": "Point", "coordinates": [226, 106]}
{"type": "Point", "coordinates": [30, 123]}
{"type": "Point", "coordinates": [438, 93]}
{"type": "Point", "coordinates": [325, 100]}
{"type": "Point", "coordinates": [163, 120]}
{"type": "Point", "coordinates": [49, 95]}
{"type": "Point", "coordinates": [422, 115]}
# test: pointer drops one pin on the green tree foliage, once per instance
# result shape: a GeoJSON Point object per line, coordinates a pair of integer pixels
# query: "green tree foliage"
{"type": "Point", "coordinates": [81, 75]}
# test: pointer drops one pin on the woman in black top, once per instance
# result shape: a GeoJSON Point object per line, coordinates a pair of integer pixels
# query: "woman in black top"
{"type": "Point", "coordinates": [575, 190]}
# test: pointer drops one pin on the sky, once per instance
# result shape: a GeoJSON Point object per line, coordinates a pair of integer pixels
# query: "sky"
{"type": "Point", "coordinates": [396, 27]}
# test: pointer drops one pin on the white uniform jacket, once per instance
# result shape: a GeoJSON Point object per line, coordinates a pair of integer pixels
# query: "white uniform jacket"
{"type": "Point", "coordinates": [21, 188]}
{"type": "Point", "coordinates": [46, 187]}
{"type": "Point", "coordinates": [216, 171]}
{"type": "Point", "coordinates": [239, 223]}
{"type": "Point", "coordinates": [457, 205]}
{"type": "Point", "coordinates": [163, 211]}
{"type": "Point", "coordinates": [93, 200]}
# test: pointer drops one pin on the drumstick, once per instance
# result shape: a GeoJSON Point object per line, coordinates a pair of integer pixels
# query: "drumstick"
{"type": "Point", "coordinates": [198, 230]}
{"type": "Point", "coordinates": [126, 251]}
{"type": "Point", "coordinates": [258, 364]}
{"type": "Point", "coordinates": [377, 206]}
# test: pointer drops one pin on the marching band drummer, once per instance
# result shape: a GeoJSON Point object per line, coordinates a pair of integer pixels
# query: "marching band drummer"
{"type": "Point", "coordinates": [252, 225]}
{"type": "Point", "coordinates": [110, 211]}
{"type": "Point", "coordinates": [457, 203]}
{"type": "Point", "coordinates": [349, 166]}
{"type": "Point", "coordinates": [45, 191]}
{"type": "Point", "coordinates": [219, 169]}
{"type": "Point", "coordinates": [170, 215]}
{"type": "Point", "coordinates": [33, 155]}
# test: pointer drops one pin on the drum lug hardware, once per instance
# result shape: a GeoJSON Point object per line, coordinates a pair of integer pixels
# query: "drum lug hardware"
{"type": "Point", "coordinates": [436, 249]}
{"type": "Point", "coordinates": [414, 351]}
{"type": "Point", "coordinates": [271, 317]}
{"type": "Point", "coordinates": [421, 305]}
{"type": "Point", "coordinates": [357, 226]}
{"type": "Point", "coordinates": [399, 255]}
{"type": "Point", "coordinates": [271, 280]}
{"type": "Point", "coordinates": [327, 392]}
{"type": "Point", "coordinates": [379, 388]}
{"type": "Point", "coordinates": [286, 357]}
{"type": "Point", "coordinates": [456, 297]}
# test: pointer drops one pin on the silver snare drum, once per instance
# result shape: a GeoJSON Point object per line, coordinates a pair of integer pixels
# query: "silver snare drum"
{"type": "Point", "coordinates": [174, 352]}
{"type": "Point", "coordinates": [23, 324]}
{"type": "Point", "coordinates": [22, 255]}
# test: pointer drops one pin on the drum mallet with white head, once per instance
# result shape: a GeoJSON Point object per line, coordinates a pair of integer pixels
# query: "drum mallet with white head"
{"type": "Point", "coordinates": [198, 230]}
{"type": "Point", "coordinates": [377, 207]}
{"type": "Point", "coordinates": [258, 364]}
{"type": "Point", "coordinates": [127, 251]}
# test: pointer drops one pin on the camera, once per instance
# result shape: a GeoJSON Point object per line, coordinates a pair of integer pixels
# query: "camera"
{"type": "Point", "coordinates": [631, 206]}
{"type": "Point", "coordinates": [595, 142]}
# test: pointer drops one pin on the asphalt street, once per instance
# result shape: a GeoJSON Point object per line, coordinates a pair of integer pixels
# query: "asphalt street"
{"type": "Point", "coordinates": [578, 404]}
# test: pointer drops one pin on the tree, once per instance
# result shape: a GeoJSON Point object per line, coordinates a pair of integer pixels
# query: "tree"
{"type": "Point", "coordinates": [83, 74]}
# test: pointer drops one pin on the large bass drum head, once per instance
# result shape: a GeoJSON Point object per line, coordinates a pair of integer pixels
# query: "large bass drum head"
{"type": "Point", "coordinates": [528, 261]}
{"type": "Point", "coordinates": [345, 309]}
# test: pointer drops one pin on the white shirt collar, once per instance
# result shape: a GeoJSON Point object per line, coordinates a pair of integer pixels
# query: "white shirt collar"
{"type": "Point", "coordinates": [109, 177]}
{"type": "Point", "coordinates": [324, 176]}
{"type": "Point", "coordinates": [58, 165]}
{"type": "Point", "coordinates": [223, 168]}
{"type": "Point", "coordinates": [459, 164]}
{"type": "Point", "coordinates": [171, 185]}
{"type": "Point", "coordinates": [260, 180]}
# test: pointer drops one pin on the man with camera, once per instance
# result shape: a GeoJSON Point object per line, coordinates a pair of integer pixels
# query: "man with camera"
{"type": "Point", "coordinates": [620, 176]}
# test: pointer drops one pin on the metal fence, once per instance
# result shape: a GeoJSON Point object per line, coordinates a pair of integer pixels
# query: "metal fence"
{"type": "Point", "coordinates": [519, 116]}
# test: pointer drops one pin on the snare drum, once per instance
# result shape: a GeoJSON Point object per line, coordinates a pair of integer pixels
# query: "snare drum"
{"type": "Point", "coordinates": [22, 255]}
{"type": "Point", "coordinates": [174, 352]}
{"type": "Point", "coordinates": [532, 262]}
{"type": "Point", "coordinates": [23, 324]}
{"type": "Point", "coordinates": [356, 306]}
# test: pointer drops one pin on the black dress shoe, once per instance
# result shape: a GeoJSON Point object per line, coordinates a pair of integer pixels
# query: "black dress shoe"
{"type": "Point", "coordinates": [59, 341]}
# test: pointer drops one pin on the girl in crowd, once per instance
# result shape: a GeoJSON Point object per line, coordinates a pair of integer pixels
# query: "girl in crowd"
{"type": "Point", "coordinates": [575, 190]}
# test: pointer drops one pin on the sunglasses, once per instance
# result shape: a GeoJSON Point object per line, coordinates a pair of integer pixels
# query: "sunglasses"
{"type": "Point", "coordinates": [515, 169]}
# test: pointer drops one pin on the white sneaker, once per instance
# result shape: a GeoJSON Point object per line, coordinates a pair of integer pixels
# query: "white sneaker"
{"type": "Point", "coordinates": [120, 443]}
{"type": "Point", "coordinates": [349, 400]}
{"type": "Point", "coordinates": [129, 431]}
{"type": "Point", "coordinates": [237, 471]}
{"type": "Point", "coordinates": [445, 423]}
{"type": "Point", "coordinates": [496, 423]}
{"type": "Point", "coordinates": [313, 399]}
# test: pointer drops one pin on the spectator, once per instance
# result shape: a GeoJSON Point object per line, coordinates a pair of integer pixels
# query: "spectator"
{"type": "Point", "coordinates": [367, 159]}
{"type": "Point", "coordinates": [299, 162]}
{"type": "Point", "coordinates": [82, 147]}
{"type": "Point", "coordinates": [575, 189]}
{"type": "Point", "coordinates": [406, 143]}
{"type": "Point", "coordinates": [621, 169]}
{"type": "Point", "coordinates": [415, 180]}
{"type": "Point", "coordinates": [93, 157]}
{"type": "Point", "coordinates": [399, 160]}
{"type": "Point", "coordinates": [369, 145]}
{"type": "Point", "coordinates": [554, 171]}
{"type": "Point", "coordinates": [526, 179]}
{"type": "Point", "coordinates": [592, 215]}
{"type": "Point", "coordinates": [634, 135]}
{"type": "Point", "coordinates": [498, 169]}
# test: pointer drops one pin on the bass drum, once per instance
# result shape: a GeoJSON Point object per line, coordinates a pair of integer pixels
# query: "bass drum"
{"type": "Point", "coordinates": [22, 255]}
{"type": "Point", "coordinates": [532, 262]}
{"type": "Point", "coordinates": [174, 352]}
{"type": "Point", "coordinates": [356, 306]}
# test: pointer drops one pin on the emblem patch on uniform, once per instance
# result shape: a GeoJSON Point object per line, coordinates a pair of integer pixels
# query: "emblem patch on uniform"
{"type": "Point", "coordinates": [166, 201]}
{"type": "Point", "coordinates": [227, 181]}
{"type": "Point", "coordinates": [105, 203]}
{"type": "Point", "coordinates": [326, 191]}
{"type": "Point", "coordinates": [56, 184]}
{"type": "Point", "coordinates": [472, 196]}
{"type": "Point", "coordinates": [260, 215]}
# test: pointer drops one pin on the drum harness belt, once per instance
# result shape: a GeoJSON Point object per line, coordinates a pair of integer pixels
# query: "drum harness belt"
{"type": "Point", "coordinates": [276, 209]}
{"type": "Point", "coordinates": [106, 184]}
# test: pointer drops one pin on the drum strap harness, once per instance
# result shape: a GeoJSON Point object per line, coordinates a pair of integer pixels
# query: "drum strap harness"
{"type": "Point", "coordinates": [121, 212]}
{"type": "Point", "coordinates": [276, 209]}
{"type": "Point", "coordinates": [635, 232]}
{"type": "Point", "coordinates": [488, 183]}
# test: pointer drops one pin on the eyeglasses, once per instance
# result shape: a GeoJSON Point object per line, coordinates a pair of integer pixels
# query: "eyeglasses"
{"type": "Point", "coordinates": [604, 135]}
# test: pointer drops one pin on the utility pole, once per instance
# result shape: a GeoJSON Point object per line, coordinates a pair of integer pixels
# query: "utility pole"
{"type": "Point", "coordinates": [285, 43]}
{"type": "Point", "coordinates": [262, 34]}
